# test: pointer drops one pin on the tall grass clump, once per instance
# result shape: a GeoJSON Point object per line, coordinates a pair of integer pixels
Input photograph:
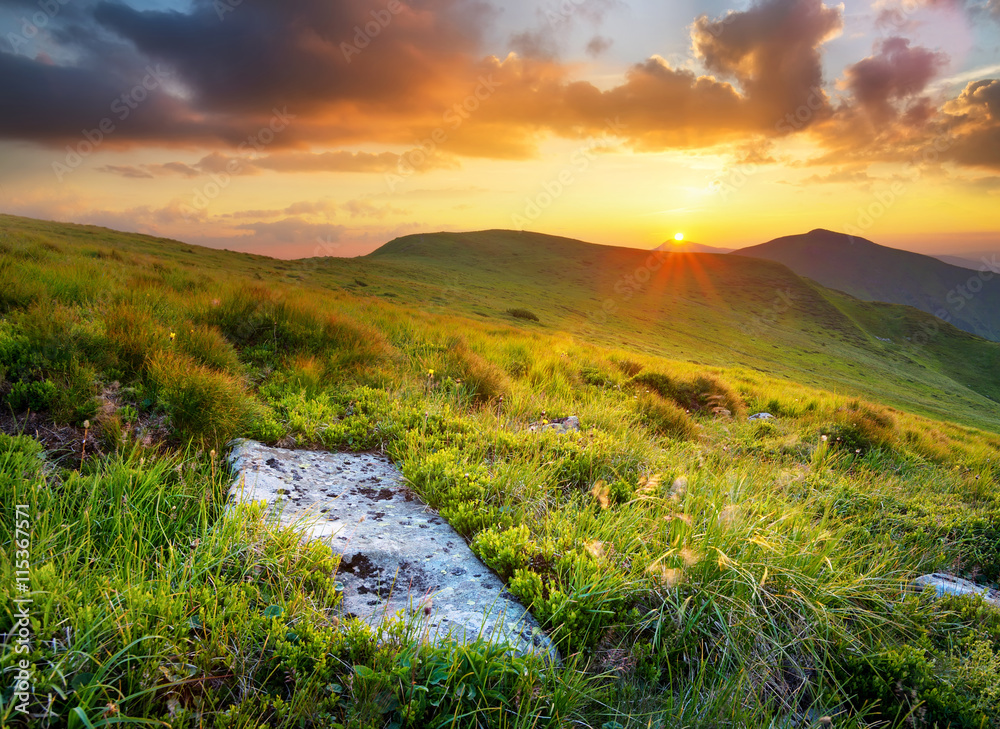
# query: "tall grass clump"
{"type": "Point", "coordinates": [860, 427]}
{"type": "Point", "coordinates": [704, 394]}
{"type": "Point", "coordinates": [482, 379]}
{"type": "Point", "coordinates": [665, 417]}
{"type": "Point", "coordinates": [204, 405]}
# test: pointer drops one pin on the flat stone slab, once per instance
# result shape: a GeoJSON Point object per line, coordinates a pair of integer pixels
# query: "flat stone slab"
{"type": "Point", "coordinates": [944, 584]}
{"type": "Point", "coordinates": [396, 552]}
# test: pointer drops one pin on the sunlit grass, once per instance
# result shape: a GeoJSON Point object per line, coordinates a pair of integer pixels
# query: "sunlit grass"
{"type": "Point", "coordinates": [695, 568]}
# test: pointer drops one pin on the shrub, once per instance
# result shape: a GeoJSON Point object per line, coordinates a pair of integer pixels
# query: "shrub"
{"type": "Point", "coordinates": [523, 314]}
{"type": "Point", "coordinates": [861, 427]}
{"type": "Point", "coordinates": [203, 405]}
{"type": "Point", "coordinates": [38, 395]}
{"type": "Point", "coordinates": [664, 417]}
{"type": "Point", "coordinates": [352, 345]}
{"type": "Point", "coordinates": [132, 335]}
{"type": "Point", "coordinates": [596, 377]}
{"type": "Point", "coordinates": [207, 346]}
{"type": "Point", "coordinates": [482, 379]}
{"type": "Point", "coordinates": [628, 367]}
{"type": "Point", "coordinates": [504, 551]}
{"type": "Point", "coordinates": [703, 394]}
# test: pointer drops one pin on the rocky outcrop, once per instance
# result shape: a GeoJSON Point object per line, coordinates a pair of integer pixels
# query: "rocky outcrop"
{"type": "Point", "coordinates": [944, 584]}
{"type": "Point", "coordinates": [397, 554]}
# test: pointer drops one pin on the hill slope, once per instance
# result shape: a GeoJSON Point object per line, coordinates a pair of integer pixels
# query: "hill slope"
{"type": "Point", "coordinates": [710, 309]}
{"type": "Point", "coordinates": [868, 271]}
{"type": "Point", "coordinates": [715, 310]}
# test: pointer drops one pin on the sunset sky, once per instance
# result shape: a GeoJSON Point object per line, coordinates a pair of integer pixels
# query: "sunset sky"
{"type": "Point", "coordinates": [311, 127]}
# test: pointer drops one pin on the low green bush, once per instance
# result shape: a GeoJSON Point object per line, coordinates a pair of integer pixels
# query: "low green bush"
{"type": "Point", "coordinates": [664, 417]}
{"type": "Point", "coordinates": [523, 314]}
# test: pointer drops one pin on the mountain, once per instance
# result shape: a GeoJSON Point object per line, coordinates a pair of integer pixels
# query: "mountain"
{"type": "Point", "coordinates": [984, 261]}
{"type": "Point", "coordinates": [722, 310]}
{"type": "Point", "coordinates": [684, 246]}
{"type": "Point", "coordinates": [756, 317]}
{"type": "Point", "coordinates": [970, 300]}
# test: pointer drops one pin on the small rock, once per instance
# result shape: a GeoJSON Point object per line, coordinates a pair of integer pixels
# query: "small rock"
{"type": "Point", "coordinates": [761, 416]}
{"type": "Point", "coordinates": [560, 425]}
{"type": "Point", "coordinates": [950, 585]}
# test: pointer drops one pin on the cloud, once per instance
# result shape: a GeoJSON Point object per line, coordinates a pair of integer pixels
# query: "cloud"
{"type": "Point", "coordinates": [151, 171]}
{"type": "Point", "coordinates": [130, 171]}
{"type": "Point", "coordinates": [293, 230]}
{"type": "Point", "coordinates": [598, 45]}
{"type": "Point", "coordinates": [973, 120]}
{"type": "Point", "coordinates": [339, 161]}
{"type": "Point", "coordinates": [895, 74]}
{"type": "Point", "coordinates": [423, 71]}
{"type": "Point", "coordinates": [538, 43]}
{"type": "Point", "coordinates": [888, 114]}
{"type": "Point", "coordinates": [342, 161]}
{"type": "Point", "coordinates": [854, 176]}
{"type": "Point", "coordinates": [772, 50]}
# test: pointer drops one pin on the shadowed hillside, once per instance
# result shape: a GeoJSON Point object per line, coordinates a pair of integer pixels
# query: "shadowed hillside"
{"type": "Point", "coordinates": [968, 299]}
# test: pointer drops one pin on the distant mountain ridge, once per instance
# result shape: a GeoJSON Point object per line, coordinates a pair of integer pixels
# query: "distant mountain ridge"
{"type": "Point", "coordinates": [969, 299]}
{"type": "Point", "coordinates": [684, 246]}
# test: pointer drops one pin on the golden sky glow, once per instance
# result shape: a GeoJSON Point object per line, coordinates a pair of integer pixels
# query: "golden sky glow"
{"type": "Point", "coordinates": [623, 123]}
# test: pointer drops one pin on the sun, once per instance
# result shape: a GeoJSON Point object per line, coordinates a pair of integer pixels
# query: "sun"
{"type": "Point", "coordinates": [679, 237]}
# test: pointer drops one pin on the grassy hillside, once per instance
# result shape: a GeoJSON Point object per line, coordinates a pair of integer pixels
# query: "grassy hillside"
{"type": "Point", "coordinates": [695, 568]}
{"type": "Point", "coordinates": [872, 272]}
{"type": "Point", "coordinates": [707, 309]}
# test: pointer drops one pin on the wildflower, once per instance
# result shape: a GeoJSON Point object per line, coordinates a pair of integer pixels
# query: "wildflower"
{"type": "Point", "coordinates": [430, 373]}
{"type": "Point", "coordinates": [823, 438]}
{"type": "Point", "coordinates": [173, 336]}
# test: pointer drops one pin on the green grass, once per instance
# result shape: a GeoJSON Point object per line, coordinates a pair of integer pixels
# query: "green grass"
{"type": "Point", "coordinates": [695, 568]}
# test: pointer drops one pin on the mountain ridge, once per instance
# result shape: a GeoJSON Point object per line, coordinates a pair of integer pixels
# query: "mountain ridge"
{"type": "Point", "coordinates": [970, 300]}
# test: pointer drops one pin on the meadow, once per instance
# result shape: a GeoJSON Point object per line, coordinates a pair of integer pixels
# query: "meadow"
{"type": "Point", "coordinates": [694, 567]}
